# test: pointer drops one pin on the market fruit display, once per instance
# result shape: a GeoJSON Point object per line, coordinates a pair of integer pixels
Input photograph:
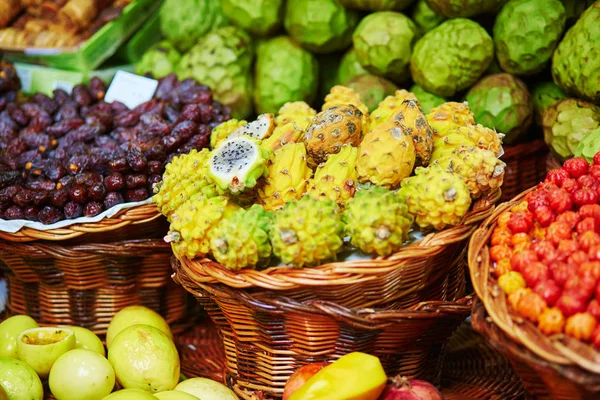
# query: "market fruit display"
{"type": "Point", "coordinates": [300, 187]}
{"type": "Point", "coordinates": [425, 18]}
{"type": "Point", "coordinates": [19, 380]}
{"type": "Point", "coordinates": [544, 252]}
{"type": "Point", "coordinates": [206, 389]}
{"type": "Point", "coordinates": [130, 394]}
{"type": "Point", "coordinates": [86, 339]}
{"type": "Point", "coordinates": [259, 17]}
{"type": "Point", "coordinates": [10, 329]}
{"type": "Point", "coordinates": [371, 88]}
{"type": "Point", "coordinates": [576, 61]}
{"type": "Point", "coordinates": [159, 61]}
{"type": "Point", "coordinates": [544, 95]}
{"type": "Point", "coordinates": [502, 101]}
{"type": "Point", "coordinates": [135, 315]}
{"type": "Point", "coordinates": [427, 101]}
{"type": "Point", "coordinates": [41, 347]}
{"type": "Point", "coordinates": [526, 33]}
{"type": "Point", "coordinates": [300, 376]}
{"type": "Point", "coordinates": [174, 395]}
{"type": "Point", "coordinates": [349, 67]}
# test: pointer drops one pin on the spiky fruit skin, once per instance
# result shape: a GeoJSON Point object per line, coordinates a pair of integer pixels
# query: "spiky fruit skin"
{"type": "Point", "coordinates": [449, 116]}
{"type": "Point", "coordinates": [183, 22]}
{"type": "Point", "coordinates": [425, 18]}
{"type": "Point", "coordinates": [298, 112]}
{"type": "Point", "coordinates": [307, 232]}
{"type": "Point", "coordinates": [576, 61]}
{"type": "Point", "coordinates": [472, 135]}
{"type": "Point", "coordinates": [427, 101]}
{"type": "Point", "coordinates": [336, 179]}
{"type": "Point", "coordinates": [350, 67]}
{"type": "Point", "coordinates": [383, 42]}
{"type": "Point", "coordinates": [237, 164]}
{"type": "Point", "coordinates": [566, 122]}
{"type": "Point", "coordinates": [284, 72]}
{"type": "Point", "coordinates": [502, 102]}
{"type": "Point", "coordinates": [464, 8]}
{"type": "Point", "coordinates": [193, 221]}
{"type": "Point", "coordinates": [435, 197]}
{"type": "Point", "coordinates": [468, 51]}
{"type": "Point", "coordinates": [223, 60]}
{"type": "Point", "coordinates": [481, 170]}
{"type": "Point", "coordinates": [185, 177]}
{"type": "Point", "coordinates": [544, 95]}
{"type": "Point", "coordinates": [389, 107]}
{"type": "Point", "coordinates": [287, 177]}
{"type": "Point", "coordinates": [320, 26]}
{"type": "Point", "coordinates": [330, 130]}
{"type": "Point", "coordinates": [377, 221]}
{"type": "Point", "coordinates": [158, 61]}
{"type": "Point", "coordinates": [371, 89]}
{"type": "Point", "coordinates": [282, 135]}
{"type": "Point", "coordinates": [259, 17]}
{"type": "Point", "coordinates": [223, 130]}
{"type": "Point", "coordinates": [386, 156]}
{"type": "Point", "coordinates": [411, 119]}
{"type": "Point", "coordinates": [241, 239]}
{"type": "Point", "coordinates": [376, 5]}
{"type": "Point", "coordinates": [342, 95]}
{"type": "Point", "coordinates": [526, 33]}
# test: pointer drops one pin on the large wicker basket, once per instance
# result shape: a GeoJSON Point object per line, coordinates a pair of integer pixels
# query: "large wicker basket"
{"type": "Point", "coordinates": [525, 167]}
{"type": "Point", "coordinates": [557, 367]}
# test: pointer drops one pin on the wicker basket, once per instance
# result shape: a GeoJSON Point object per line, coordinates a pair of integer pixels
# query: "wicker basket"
{"type": "Point", "coordinates": [557, 367]}
{"type": "Point", "coordinates": [87, 284]}
{"type": "Point", "coordinates": [266, 336]}
{"type": "Point", "coordinates": [525, 167]}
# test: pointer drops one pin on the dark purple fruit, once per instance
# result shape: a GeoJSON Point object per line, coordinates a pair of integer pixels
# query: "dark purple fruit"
{"type": "Point", "coordinates": [135, 181]}
{"type": "Point", "coordinates": [112, 199]}
{"type": "Point", "coordinates": [78, 194]}
{"type": "Point", "coordinates": [136, 160]}
{"type": "Point", "coordinates": [81, 95]}
{"type": "Point", "coordinates": [24, 197]}
{"type": "Point", "coordinates": [73, 210]}
{"type": "Point", "coordinates": [97, 192]}
{"type": "Point", "coordinates": [155, 167]}
{"type": "Point", "coordinates": [126, 118]}
{"type": "Point", "coordinates": [114, 182]}
{"type": "Point", "coordinates": [118, 164]}
{"type": "Point", "coordinates": [31, 213]}
{"type": "Point", "coordinates": [152, 181]}
{"type": "Point", "coordinates": [92, 209]}
{"type": "Point", "coordinates": [59, 197]}
{"type": "Point", "coordinates": [14, 212]}
{"type": "Point", "coordinates": [139, 194]}
{"type": "Point", "coordinates": [50, 215]}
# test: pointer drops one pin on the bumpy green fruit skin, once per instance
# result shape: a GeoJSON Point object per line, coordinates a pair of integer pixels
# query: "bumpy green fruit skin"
{"type": "Point", "coordinates": [468, 51]}
{"type": "Point", "coordinates": [427, 100]}
{"type": "Point", "coordinates": [183, 22]}
{"type": "Point", "coordinates": [259, 17]}
{"type": "Point", "coordinates": [320, 26]}
{"type": "Point", "coordinates": [576, 61]}
{"type": "Point", "coordinates": [284, 72]}
{"type": "Point", "coordinates": [222, 60]}
{"type": "Point", "coordinates": [544, 95]}
{"type": "Point", "coordinates": [464, 8]}
{"type": "Point", "coordinates": [159, 61]}
{"type": "Point", "coordinates": [526, 33]}
{"type": "Point", "coordinates": [372, 89]}
{"type": "Point", "coordinates": [502, 102]}
{"type": "Point", "coordinates": [350, 67]}
{"type": "Point", "coordinates": [425, 18]}
{"type": "Point", "coordinates": [589, 146]}
{"type": "Point", "coordinates": [383, 42]}
{"type": "Point", "coordinates": [376, 5]}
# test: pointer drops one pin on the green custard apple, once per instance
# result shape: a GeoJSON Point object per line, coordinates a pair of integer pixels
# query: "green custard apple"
{"type": "Point", "coordinates": [464, 8]}
{"type": "Point", "coordinates": [468, 52]}
{"type": "Point", "coordinates": [284, 72]}
{"type": "Point", "coordinates": [259, 17]}
{"type": "Point", "coordinates": [183, 22]}
{"type": "Point", "coordinates": [427, 100]}
{"type": "Point", "coordinates": [372, 89]}
{"type": "Point", "coordinates": [502, 102]}
{"type": "Point", "coordinates": [349, 67]}
{"type": "Point", "coordinates": [376, 5]}
{"type": "Point", "coordinates": [526, 33]}
{"type": "Point", "coordinates": [158, 61]}
{"type": "Point", "coordinates": [576, 61]}
{"type": "Point", "coordinates": [425, 18]}
{"type": "Point", "coordinates": [222, 60]}
{"type": "Point", "coordinates": [544, 95]}
{"type": "Point", "coordinates": [383, 42]}
{"type": "Point", "coordinates": [589, 146]}
{"type": "Point", "coordinates": [320, 26]}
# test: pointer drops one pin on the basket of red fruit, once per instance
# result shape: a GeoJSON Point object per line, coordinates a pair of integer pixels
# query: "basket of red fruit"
{"type": "Point", "coordinates": [81, 237]}
{"type": "Point", "coordinates": [535, 265]}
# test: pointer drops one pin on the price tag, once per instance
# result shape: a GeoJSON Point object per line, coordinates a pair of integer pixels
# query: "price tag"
{"type": "Point", "coordinates": [130, 89]}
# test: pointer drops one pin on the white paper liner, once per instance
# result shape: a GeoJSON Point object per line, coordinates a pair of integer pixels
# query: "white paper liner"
{"type": "Point", "coordinates": [15, 225]}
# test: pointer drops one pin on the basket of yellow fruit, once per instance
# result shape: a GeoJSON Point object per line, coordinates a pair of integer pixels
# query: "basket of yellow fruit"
{"type": "Point", "coordinates": [342, 207]}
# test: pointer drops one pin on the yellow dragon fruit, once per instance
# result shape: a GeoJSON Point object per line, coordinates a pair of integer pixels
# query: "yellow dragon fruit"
{"type": "Point", "coordinates": [336, 179]}
{"type": "Point", "coordinates": [388, 107]}
{"type": "Point", "coordinates": [223, 130]}
{"type": "Point", "coordinates": [342, 95]}
{"type": "Point", "coordinates": [282, 135]}
{"type": "Point", "coordinates": [410, 118]}
{"type": "Point", "coordinates": [298, 111]}
{"type": "Point", "coordinates": [472, 135]}
{"type": "Point", "coordinates": [448, 116]}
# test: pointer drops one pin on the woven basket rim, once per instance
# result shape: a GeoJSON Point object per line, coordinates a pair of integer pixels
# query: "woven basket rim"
{"type": "Point", "coordinates": [206, 270]}
{"type": "Point", "coordinates": [524, 149]}
{"type": "Point", "coordinates": [130, 216]}
{"type": "Point", "coordinates": [558, 349]}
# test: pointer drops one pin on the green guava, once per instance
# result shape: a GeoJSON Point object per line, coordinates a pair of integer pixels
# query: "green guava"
{"type": "Point", "coordinates": [175, 395]}
{"type": "Point", "coordinates": [130, 394]}
{"type": "Point", "coordinates": [135, 315]}
{"type": "Point", "coordinates": [206, 389]}
{"type": "Point", "coordinates": [41, 347]}
{"type": "Point", "coordinates": [10, 329]}
{"type": "Point", "coordinates": [86, 339]}
{"type": "Point", "coordinates": [19, 380]}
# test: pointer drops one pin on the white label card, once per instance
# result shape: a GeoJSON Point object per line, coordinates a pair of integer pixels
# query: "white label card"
{"type": "Point", "coordinates": [130, 89]}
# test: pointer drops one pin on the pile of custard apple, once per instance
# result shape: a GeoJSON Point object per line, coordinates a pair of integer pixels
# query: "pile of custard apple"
{"type": "Point", "coordinates": [520, 64]}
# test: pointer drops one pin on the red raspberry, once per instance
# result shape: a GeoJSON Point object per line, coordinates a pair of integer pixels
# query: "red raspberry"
{"type": "Point", "coordinates": [570, 185]}
{"type": "Point", "coordinates": [557, 176]}
{"type": "Point", "coordinates": [535, 273]}
{"type": "Point", "coordinates": [549, 291]}
{"type": "Point", "coordinates": [558, 231]}
{"type": "Point", "coordinates": [597, 158]}
{"type": "Point", "coordinates": [561, 271]}
{"type": "Point", "coordinates": [544, 216]}
{"type": "Point", "coordinates": [545, 251]}
{"type": "Point", "coordinates": [560, 201]}
{"type": "Point", "coordinates": [595, 171]}
{"type": "Point", "coordinates": [523, 258]}
{"type": "Point", "coordinates": [590, 210]}
{"type": "Point", "coordinates": [588, 239]}
{"type": "Point", "coordinates": [520, 221]}
{"type": "Point", "coordinates": [587, 225]}
{"type": "Point", "coordinates": [587, 181]}
{"type": "Point", "coordinates": [570, 217]}
{"type": "Point", "coordinates": [576, 167]}
{"type": "Point", "coordinates": [584, 196]}
{"type": "Point", "coordinates": [537, 198]}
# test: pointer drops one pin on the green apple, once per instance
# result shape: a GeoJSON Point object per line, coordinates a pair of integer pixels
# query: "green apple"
{"type": "Point", "coordinates": [206, 389]}
{"type": "Point", "coordinates": [19, 381]}
{"type": "Point", "coordinates": [10, 329]}
{"type": "Point", "coordinates": [175, 395]}
{"type": "Point", "coordinates": [130, 394]}
{"type": "Point", "coordinates": [145, 358]}
{"type": "Point", "coordinates": [41, 347]}
{"type": "Point", "coordinates": [81, 374]}
{"type": "Point", "coordinates": [86, 339]}
{"type": "Point", "coordinates": [135, 315]}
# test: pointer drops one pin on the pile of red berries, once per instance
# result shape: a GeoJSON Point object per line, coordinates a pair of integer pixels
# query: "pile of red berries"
{"type": "Point", "coordinates": [546, 252]}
